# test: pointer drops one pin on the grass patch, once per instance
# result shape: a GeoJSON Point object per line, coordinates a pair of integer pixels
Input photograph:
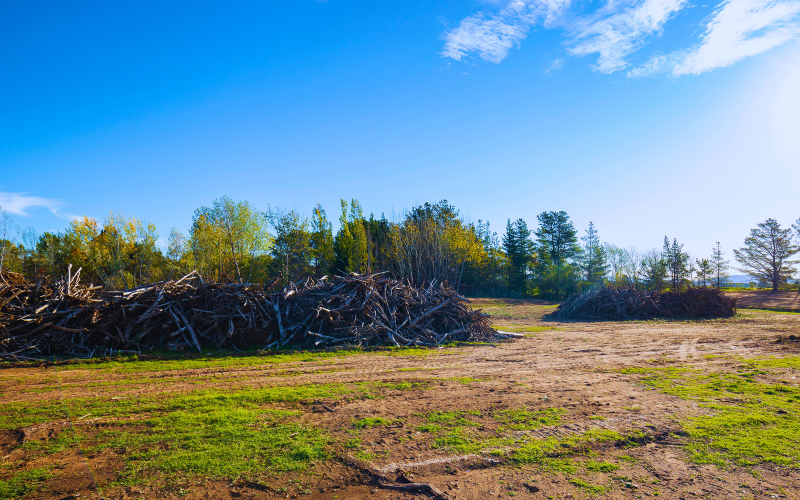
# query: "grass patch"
{"type": "Point", "coordinates": [370, 422]}
{"type": "Point", "coordinates": [452, 418]}
{"type": "Point", "coordinates": [594, 466]}
{"type": "Point", "coordinates": [132, 364]}
{"type": "Point", "coordinates": [580, 483]}
{"type": "Point", "coordinates": [754, 418]}
{"type": "Point", "coordinates": [521, 420]}
{"type": "Point", "coordinates": [22, 483]}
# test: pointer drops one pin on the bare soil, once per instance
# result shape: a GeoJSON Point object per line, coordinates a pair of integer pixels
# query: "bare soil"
{"type": "Point", "coordinates": [788, 301]}
{"type": "Point", "coordinates": [558, 364]}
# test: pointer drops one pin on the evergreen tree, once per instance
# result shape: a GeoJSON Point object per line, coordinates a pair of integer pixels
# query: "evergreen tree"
{"type": "Point", "coordinates": [704, 271]}
{"type": "Point", "coordinates": [518, 248]}
{"type": "Point", "coordinates": [677, 262]}
{"type": "Point", "coordinates": [719, 266]}
{"type": "Point", "coordinates": [766, 253]}
{"type": "Point", "coordinates": [556, 249]}
{"type": "Point", "coordinates": [556, 238]}
{"type": "Point", "coordinates": [594, 259]}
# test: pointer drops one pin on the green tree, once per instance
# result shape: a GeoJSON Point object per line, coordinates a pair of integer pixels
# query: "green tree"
{"type": "Point", "coordinates": [291, 247]}
{"type": "Point", "coordinates": [519, 251]}
{"type": "Point", "coordinates": [654, 270]}
{"type": "Point", "coordinates": [719, 266]}
{"type": "Point", "coordinates": [350, 244]}
{"type": "Point", "coordinates": [704, 271]}
{"type": "Point", "coordinates": [556, 238]}
{"type": "Point", "coordinates": [556, 249]}
{"type": "Point", "coordinates": [594, 259]}
{"type": "Point", "coordinates": [231, 236]}
{"type": "Point", "coordinates": [322, 253]}
{"type": "Point", "coordinates": [677, 262]}
{"type": "Point", "coordinates": [766, 253]}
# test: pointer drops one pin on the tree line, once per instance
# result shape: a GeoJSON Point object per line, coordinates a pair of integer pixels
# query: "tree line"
{"type": "Point", "coordinates": [234, 241]}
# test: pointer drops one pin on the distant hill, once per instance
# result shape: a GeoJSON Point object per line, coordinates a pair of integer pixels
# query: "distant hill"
{"type": "Point", "coordinates": [742, 278]}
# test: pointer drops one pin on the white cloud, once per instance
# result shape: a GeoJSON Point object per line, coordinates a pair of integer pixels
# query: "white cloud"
{"type": "Point", "coordinates": [492, 36]}
{"type": "Point", "coordinates": [556, 65]}
{"type": "Point", "coordinates": [20, 203]}
{"type": "Point", "coordinates": [491, 39]}
{"type": "Point", "coordinates": [616, 32]}
{"type": "Point", "coordinates": [739, 29]}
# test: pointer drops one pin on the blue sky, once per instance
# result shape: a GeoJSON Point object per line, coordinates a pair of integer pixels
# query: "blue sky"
{"type": "Point", "coordinates": [648, 117]}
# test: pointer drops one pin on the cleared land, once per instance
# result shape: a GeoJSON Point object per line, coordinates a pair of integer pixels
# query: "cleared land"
{"type": "Point", "coordinates": [786, 301]}
{"type": "Point", "coordinates": [677, 409]}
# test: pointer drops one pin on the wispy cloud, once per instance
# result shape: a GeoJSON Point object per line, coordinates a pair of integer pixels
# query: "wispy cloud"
{"type": "Point", "coordinates": [619, 28]}
{"type": "Point", "coordinates": [617, 31]}
{"type": "Point", "coordinates": [21, 203]}
{"type": "Point", "coordinates": [491, 36]}
{"type": "Point", "coordinates": [742, 28]}
{"type": "Point", "coordinates": [556, 65]}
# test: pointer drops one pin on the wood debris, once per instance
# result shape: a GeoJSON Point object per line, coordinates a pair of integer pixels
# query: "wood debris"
{"type": "Point", "coordinates": [67, 318]}
{"type": "Point", "coordinates": [632, 303]}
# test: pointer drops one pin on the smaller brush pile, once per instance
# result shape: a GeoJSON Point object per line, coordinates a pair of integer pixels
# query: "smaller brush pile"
{"type": "Point", "coordinates": [630, 303]}
{"type": "Point", "coordinates": [68, 318]}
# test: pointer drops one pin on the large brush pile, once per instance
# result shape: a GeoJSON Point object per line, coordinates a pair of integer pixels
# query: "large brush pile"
{"type": "Point", "coordinates": [630, 303]}
{"type": "Point", "coordinates": [67, 318]}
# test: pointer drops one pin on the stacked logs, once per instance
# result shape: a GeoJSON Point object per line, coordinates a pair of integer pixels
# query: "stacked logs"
{"type": "Point", "coordinates": [631, 303]}
{"type": "Point", "coordinates": [66, 318]}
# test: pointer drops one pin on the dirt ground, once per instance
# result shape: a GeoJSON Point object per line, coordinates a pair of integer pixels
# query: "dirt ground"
{"type": "Point", "coordinates": [789, 301]}
{"type": "Point", "coordinates": [577, 368]}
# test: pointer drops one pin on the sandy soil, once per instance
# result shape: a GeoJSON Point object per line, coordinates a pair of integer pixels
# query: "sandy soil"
{"type": "Point", "coordinates": [754, 300]}
{"type": "Point", "coordinates": [569, 365]}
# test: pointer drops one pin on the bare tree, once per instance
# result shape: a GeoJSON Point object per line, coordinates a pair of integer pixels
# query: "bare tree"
{"type": "Point", "coordinates": [766, 253]}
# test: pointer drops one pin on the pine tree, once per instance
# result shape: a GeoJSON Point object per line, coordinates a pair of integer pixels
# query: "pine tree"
{"type": "Point", "coordinates": [677, 262]}
{"type": "Point", "coordinates": [518, 248]}
{"type": "Point", "coordinates": [766, 253]}
{"type": "Point", "coordinates": [556, 238]}
{"type": "Point", "coordinates": [719, 266]}
{"type": "Point", "coordinates": [705, 270]}
{"type": "Point", "coordinates": [594, 260]}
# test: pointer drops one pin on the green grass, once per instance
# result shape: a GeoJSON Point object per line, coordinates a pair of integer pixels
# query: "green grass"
{"type": "Point", "coordinates": [22, 483]}
{"type": "Point", "coordinates": [214, 434]}
{"type": "Point", "coordinates": [518, 419]}
{"type": "Point", "coordinates": [370, 422]}
{"type": "Point", "coordinates": [753, 418]}
{"type": "Point", "coordinates": [452, 418]}
{"type": "Point", "coordinates": [586, 486]}
{"type": "Point", "coordinates": [553, 453]}
{"type": "Point", "coordinates": [594, 466]}
{"type": "Point", "coordinates": [132, 364]}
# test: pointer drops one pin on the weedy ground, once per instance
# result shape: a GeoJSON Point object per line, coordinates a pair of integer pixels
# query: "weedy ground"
{"type": "Point", "coordinates": [671, 409]}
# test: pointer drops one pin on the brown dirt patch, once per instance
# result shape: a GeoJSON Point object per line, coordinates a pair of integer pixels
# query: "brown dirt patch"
{"type": "Point", "coordinates": [788, 301]}
{"type": "Point", "coordinates": [566, 364]}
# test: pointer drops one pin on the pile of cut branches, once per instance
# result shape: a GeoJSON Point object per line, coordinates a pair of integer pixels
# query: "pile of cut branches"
{"type": "Point", "coordinates": [68, 318]}
{"type": "Point", "coordinates": [631, 303]}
